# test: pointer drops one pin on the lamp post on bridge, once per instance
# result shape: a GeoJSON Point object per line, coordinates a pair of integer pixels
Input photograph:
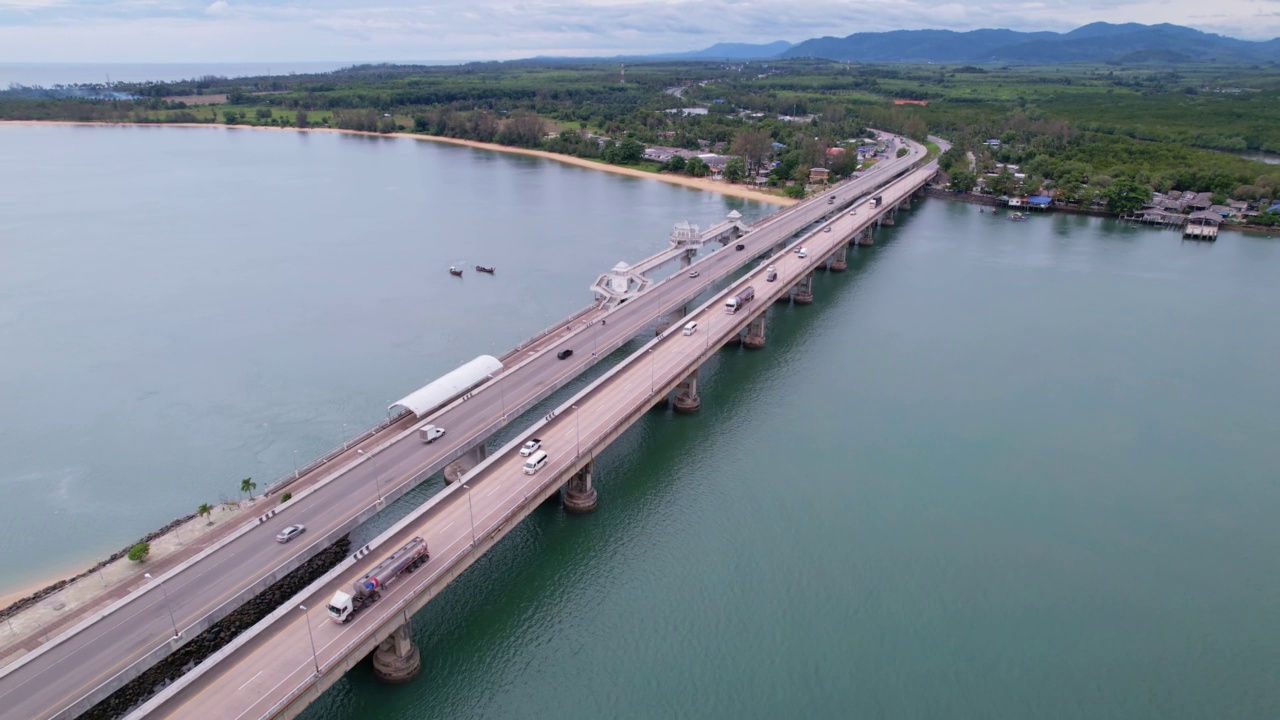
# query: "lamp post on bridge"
{"type": "Point", "coordinates": [471, 513]}
{"type": "Point", "coordinates": [377, 477]}
{"type": "Point", "coordinates": [653, 360]}
{"type": "Point", "coordinates": [307, 622]}
{"type": "Point", "coordinates": [577, 426]}
{"type": "Point", "coordinates": [168, 606]}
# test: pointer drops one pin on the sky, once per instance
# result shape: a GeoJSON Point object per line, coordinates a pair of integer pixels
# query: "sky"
{"type": "Point", "coordinates": [145, 31]}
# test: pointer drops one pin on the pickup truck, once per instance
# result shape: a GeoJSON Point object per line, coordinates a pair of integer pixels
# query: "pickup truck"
{"type": "Point", "coordinates": [530, 447]}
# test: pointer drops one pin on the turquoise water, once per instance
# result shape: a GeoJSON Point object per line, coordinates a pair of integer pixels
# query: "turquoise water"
{"type": "Point", "coordinates": [997, 469]}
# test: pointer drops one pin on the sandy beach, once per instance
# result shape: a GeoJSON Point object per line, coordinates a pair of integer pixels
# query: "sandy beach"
{"type": "Point", "coordinates": [707, 184]}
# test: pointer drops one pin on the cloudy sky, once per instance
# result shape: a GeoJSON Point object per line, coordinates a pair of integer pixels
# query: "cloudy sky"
{"type": "Point", "coordinates": [448, 30]}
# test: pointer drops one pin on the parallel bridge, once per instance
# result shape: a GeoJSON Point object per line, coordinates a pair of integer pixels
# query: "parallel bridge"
{"type": "Point", "coordinates": [286, 661]}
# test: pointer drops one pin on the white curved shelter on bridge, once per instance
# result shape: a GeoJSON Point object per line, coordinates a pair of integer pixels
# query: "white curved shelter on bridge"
{"type": "Point", "coordinates": [436, 393]}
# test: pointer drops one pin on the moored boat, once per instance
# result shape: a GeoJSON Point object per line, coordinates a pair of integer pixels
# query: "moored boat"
{"type": "Point", "coordinates": [455, 271]}
{"type": "Point", "coordinates": [483, 269]}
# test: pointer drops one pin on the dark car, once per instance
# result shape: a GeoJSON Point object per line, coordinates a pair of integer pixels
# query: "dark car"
{"type": "Point", "coordinates": [771, 277]}
{"type": "Point", "coordinates": [740, 246]}
{"type": "Point", "coordinates": [563, 354]}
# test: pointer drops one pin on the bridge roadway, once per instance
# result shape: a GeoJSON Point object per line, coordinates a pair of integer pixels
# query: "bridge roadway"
{"type": "Point", "coordinates": [271, 670]}
{"type": "Point", "coordinates": [97, 656]}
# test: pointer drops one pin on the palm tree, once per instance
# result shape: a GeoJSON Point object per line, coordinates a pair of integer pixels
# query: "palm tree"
{"type": "Point", "coordinates": [207, 510]}
{"type": "Point", "coordinates": [247, 485]}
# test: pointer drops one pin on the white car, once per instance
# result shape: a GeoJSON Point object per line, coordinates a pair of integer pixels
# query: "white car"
{"type": "Point", "coordinates": [694, 273]}
{"type": "Point", "coordinates": [530, 447]}
{"type": "Point", "coordinates": [771, 268]}
{"type": "Point", "coordinates": [290, 533]}
{"type": "Point", "coordinates": [803, 253]}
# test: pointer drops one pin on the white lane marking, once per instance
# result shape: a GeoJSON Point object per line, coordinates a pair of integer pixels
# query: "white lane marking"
{"type": "Point", "coordinates": [255, 677]}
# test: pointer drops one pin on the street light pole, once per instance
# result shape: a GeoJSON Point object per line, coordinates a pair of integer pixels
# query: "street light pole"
{"type": "Point", "coordinates": [373, 463]}
{"type": "Point", "coordinates": [471, 514]}
{"type": "Point", "coordinates": [344, 436]}
{"type": "Point", "coordinates": [168, 606]}
{"type": "Point", "coordinates": [577, 430]}
{"type": "Point", "coordinates": [307, 622]}
{"type": "Point", "coordinates": [295, 464]}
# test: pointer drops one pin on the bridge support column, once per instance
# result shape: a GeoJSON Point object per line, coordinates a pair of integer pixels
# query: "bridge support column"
{"type": "Point", "coordinates": [889, 218]}
{"type": "Point", "coordinates": [397, 659]}
{"type": "Point", "coordinates": [454, 471]}
{"type": "Point", "coordinates": [687, 400]}
{"type": "Point", "coordinates": [865, 238]}
{"type": "Point", "coordinates": [755, 333]}
{"type": "Point", "coordinates": [840, 259]}
{"type": "Point", "coordinates": [734, 339]}
{"type": "Point", "coordinates": [804, 291]}
{"type": "Point", "coordinates": [579, 496]}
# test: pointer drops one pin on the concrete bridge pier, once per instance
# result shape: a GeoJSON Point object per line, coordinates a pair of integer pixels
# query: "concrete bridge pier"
{"type": "Point", "coordinates": [397, 659]}
{"type": "Point", "coordinates": [687, 400]}
{"type": "Point", "coordinates": [888, 219]}
{"type": "Point", "coordinates": [865, 238]}
{"type": "Point", "coordinates": [454, 471]}
{"type": "Point", "coordinates": [579, 496]}
{"type": "Point", "coordinates": [755, 333]}
{"type": "Point", "coordinates": [735, 339]}
{"type": "Point", "coordinates": [840, 259]}
{"type": "Point", "coordinates": [804, 291]}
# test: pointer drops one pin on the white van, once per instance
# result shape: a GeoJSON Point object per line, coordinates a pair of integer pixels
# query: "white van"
{"type": "Point", "coordinates": [691, 327]}
{"type": "Point", "coordinates": [535, 462]}
{"type": "Point", "coordinates": [429, 433]}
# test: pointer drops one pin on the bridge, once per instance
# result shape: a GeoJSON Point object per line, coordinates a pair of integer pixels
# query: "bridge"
{"type": "Point", "coordinates": [355, 482]}
{"type": "Point", "coordinates": [286, 661]}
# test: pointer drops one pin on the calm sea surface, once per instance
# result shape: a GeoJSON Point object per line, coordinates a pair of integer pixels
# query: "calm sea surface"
{"type": "Point", "coordinates": [997, 470]}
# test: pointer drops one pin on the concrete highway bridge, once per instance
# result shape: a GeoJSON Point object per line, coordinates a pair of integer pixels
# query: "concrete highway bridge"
{"type": "Point", "coordinates": [286, 661]}
{"type": "Point", "coordinates": [85, 663]}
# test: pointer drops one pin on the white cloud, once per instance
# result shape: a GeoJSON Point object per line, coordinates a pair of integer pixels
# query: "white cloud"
{"type": "Point", "coordinates": [261, 30]}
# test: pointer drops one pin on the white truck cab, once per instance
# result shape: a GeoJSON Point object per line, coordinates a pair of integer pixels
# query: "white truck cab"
{"type": "Point", "coordinates": [341, 607]}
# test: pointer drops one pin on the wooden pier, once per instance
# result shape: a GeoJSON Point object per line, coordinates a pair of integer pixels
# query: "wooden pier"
{"type": "Point", "coordinates": [1202, 225]}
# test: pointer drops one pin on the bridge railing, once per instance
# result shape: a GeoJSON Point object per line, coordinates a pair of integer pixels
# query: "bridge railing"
{"type": "Point", "coordinates": [557, 327]}
{"type": "Point", "coordinates": [325, 459]}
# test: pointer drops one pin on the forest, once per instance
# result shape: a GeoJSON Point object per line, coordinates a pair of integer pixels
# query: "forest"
{"type": "Point", "coordinates": [1073, 129]}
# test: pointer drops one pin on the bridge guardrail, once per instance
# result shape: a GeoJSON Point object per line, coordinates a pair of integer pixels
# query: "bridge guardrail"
{"type": "Point", "coordinates": [288, 480]}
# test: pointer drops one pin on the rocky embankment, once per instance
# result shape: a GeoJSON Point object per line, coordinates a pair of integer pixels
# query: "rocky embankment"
{"type": "Point", "coordinates": [141, 688]}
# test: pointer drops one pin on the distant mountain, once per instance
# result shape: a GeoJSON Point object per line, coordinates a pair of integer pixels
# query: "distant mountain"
{"type": "Point", "coordinates": [730, 51]}
{"type": "Point", "coordinates": [1093, 43]}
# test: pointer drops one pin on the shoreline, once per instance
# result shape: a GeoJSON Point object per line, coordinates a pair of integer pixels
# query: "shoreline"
{"type": "Point", "coordinates": [705, 184]}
